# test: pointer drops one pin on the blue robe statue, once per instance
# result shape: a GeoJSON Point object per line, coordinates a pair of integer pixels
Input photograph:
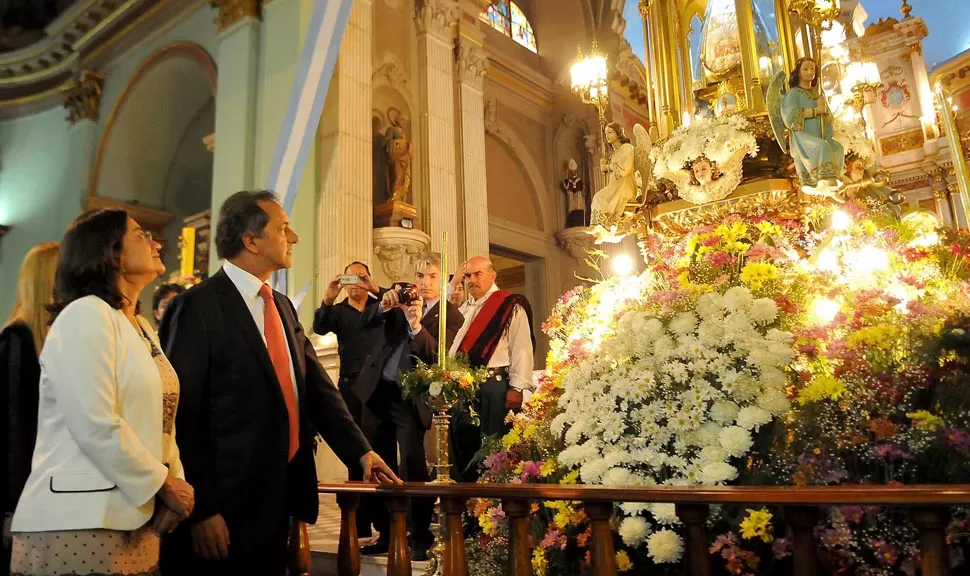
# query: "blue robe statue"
{"type": "Point", "coordinates": [817, 156]}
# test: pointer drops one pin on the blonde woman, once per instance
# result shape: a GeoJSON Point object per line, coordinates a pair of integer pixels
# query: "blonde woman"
{"type": "Point", "coordinates": [20, 343]}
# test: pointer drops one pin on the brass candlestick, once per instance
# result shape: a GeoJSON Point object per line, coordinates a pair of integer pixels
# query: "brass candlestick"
{"type": "Point", "coordinates": [442, 476]}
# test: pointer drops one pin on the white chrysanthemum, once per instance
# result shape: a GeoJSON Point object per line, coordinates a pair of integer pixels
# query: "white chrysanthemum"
{"type": "Point", "coordinates": [593, 470]}
{"type": "Point", "coordinates": [434, 389]}
{"type": "Point", "coordinates": [633, 508]}
{"type": "Point", "coordinates": [634, 530]}
{"type": "Point", "coordinates": [717, 473]}
{"type": "Point", "coordinates": [706, 435]}
{"type": "Point", "coordinates": [772, 377]}
{"type": "Point", "coordinates": [711, 454]}
{"type": "Point", "coordinates": [683, 323]}
{"type": "Point", "coordinates": [617, 477]}
{"type": "Point", "coordinates": [665, 546]}
{"type": "Point", "coordinates": [558, 424]}
{"type": "Point", "coordinates": [774, 401]}
{"type": "Point", "coordinates": [737, 299]}
{"type": "Point", "coordinates": [753, 417]}
{"type": "Point", "coordinates": [735, 440]}
{"type": "Point", "coordinates": [709, 305]}
{"type": "Point", "coordinates": [724, 411]}
{"type": "Point", "coordinates": [764, 311]}
{"type": "Point", "coordinates": [575, 432]}
{"type": "Point", "coordinates": [652, 328]}
{"type": "Point", "coordinates": [664, 514]}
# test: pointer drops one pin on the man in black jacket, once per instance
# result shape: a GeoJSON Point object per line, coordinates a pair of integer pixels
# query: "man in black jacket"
{"type": "Point", "coordinates": [410, 331]}
{"type": "Point", "coordinates": [252, 398]}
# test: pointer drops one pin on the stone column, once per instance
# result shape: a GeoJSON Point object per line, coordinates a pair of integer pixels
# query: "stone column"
{"type": "Point", "coordinates": [346, 207]}
{"type": "Point", "coordinates": [472, 63]}
{"type": "Point", "coordinates": [238, 64]}
{"type": "Point", "coordinates": [436, 21]}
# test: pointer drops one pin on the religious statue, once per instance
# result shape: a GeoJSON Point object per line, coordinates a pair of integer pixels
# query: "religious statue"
{"type": "Point", "coordinates": [871, 189]}
{"type": "Point", "coordinates": [819, 159]}
{"type": "Point", "coordinates": [703, 181]}
{"type": "Point", "coordinates": [400, 152]}
{"type": "Point", "coordinates": [628, 171]}
{"type": "Point", "coordinates": [575, 190]}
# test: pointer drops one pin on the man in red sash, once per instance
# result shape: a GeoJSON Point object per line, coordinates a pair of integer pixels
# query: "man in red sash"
{"type": "Point", "coordinates": [497, 333]}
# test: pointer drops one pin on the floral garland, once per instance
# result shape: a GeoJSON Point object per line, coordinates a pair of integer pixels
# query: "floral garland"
{"type": "Point", "coordinates": [716, 138]}
{"type": "Point", "coordinates": [846, 364]}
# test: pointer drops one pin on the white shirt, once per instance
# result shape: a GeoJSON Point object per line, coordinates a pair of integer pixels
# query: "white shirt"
{"type": "Point", "coordinates": [514, 349]}
{"type": "Point", "coordinates": [248, 287]}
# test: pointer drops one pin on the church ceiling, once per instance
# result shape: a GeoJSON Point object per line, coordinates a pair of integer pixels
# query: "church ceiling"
{"type": "Point", "coordinates": [22, 22]}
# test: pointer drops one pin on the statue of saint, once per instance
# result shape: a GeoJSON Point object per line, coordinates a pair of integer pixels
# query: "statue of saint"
{"type": "Point", "coordinates": [870, 188]}
{"type": "Point", "coordinates": [575, 190]}
{"type": "Point", "coordinates": [819, 159]}
{"type": "Point", "coordinates": [610, 202]}
{"type": "Point", "coordinates": [400, 152]}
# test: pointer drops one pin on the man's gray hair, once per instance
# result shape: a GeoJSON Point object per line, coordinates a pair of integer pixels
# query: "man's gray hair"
{"type": "Point", "coordinates": [428, 259]}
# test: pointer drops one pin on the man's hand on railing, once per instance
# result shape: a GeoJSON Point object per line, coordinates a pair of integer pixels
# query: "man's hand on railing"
{"type": "Point", "coordinates": [375, 470]}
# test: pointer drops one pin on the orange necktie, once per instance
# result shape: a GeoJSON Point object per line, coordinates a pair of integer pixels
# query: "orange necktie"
{"type": "Point", "coordinates": [276, 345]}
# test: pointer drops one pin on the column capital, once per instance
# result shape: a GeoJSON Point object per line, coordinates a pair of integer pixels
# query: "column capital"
{"type": "Point", "coordinates": [82, 97]}
{"type": "Point", "coordinates": [233, 11]}
{"type": "Point", "coordinates": [437, 17]}
{"type": "Point", "coordinates": [472, 62]}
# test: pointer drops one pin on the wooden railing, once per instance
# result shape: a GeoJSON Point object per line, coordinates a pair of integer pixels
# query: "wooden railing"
{"type": "Point", "coordinates": [928, 507]}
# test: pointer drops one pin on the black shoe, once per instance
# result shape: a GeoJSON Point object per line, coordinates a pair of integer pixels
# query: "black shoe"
{"type": "Point", "coordinates": [379, 547]}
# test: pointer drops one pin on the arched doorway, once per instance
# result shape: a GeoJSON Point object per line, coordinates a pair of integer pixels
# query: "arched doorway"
{"type": "Point", "coordinates": [152, 157]}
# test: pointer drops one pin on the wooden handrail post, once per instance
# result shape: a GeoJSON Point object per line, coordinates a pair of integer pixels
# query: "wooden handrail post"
{"type": "Point", "coordinates": [802, 520]}
{"type": "Point", "coordinates": [604, 557]}
{"type": "Point", "coordinates": [348, 547]}
{"type": "Point", "coordinates": [456, 563]}
{"type": "Point", "coordinates": [398, 553]}
{"type": "Point", "coordinates": [697, 558]}
{"type": "Point", "coordinates": [931, 523]}
{"type": "Point", "coordinates": [520, 548]}
{"type": "Point", "coordinates": [299, 560]}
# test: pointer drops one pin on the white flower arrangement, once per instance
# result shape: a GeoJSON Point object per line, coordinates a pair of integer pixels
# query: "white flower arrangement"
{"type": "Point", "coordinates": [716, 138]}
{"type": "Point", "coordinates": [852, 136]}
{"type": "Point", "coordinates": [671, 401]}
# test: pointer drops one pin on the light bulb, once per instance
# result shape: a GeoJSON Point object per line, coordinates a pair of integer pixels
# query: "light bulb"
{"type": "Point", "coordinates": [622, 265]}
{"type": "Point", "coordinates": [825, 309]}
{"type": "Point", "coordinates": [841, 221]}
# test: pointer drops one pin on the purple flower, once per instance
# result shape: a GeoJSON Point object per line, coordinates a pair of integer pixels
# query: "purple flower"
{"type": "Point", "coordinates": [531, 470]}
{"type": "Point", "coordinates": [781, 548]}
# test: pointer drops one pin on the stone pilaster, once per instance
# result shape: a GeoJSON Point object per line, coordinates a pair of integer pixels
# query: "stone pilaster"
{"type": "Point", "coordinates": [238, 64]}
{"type": "Point", "coordinates": [436, 21]}
{"type": "Point", "coordinates": [472, 64]}
{"type": "Point", "coordinates": [346, 206]}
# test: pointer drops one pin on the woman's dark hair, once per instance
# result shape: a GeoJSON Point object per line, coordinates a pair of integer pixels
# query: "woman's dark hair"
{"type": "Point", "coordinates": [796, 72]}
{"type": "Point", "coordinates": [620, 134]}
{"type": "Point", "coordinates": [241, 214]}
{"type": "Point", "coordinates": [163, 291]}
{"type": "Point", "coordinates": [90, 260]}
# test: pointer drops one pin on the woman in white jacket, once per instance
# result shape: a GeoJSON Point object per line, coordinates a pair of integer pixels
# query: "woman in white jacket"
{"type": "Point", "coordinates": [106, 479]}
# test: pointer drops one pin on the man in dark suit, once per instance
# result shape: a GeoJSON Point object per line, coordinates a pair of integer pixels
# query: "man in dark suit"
{"type": "Point", "coordinates": [253, 397]}
{"type": "Point", "coordinates": [410, 331]}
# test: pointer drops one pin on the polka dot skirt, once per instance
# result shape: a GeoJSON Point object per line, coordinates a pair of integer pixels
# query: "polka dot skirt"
{"type": "Point", "coordinates": [85, 553]}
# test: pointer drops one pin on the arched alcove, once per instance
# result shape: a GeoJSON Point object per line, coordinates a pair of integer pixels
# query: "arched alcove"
{"type": "Point", "coordinates": [151, 152]}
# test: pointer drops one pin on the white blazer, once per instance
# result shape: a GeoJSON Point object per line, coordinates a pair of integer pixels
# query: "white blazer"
{"type": "Point", "coordinates": [98, 458]}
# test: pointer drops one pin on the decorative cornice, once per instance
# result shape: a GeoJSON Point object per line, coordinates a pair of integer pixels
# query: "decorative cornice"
{"type": "Point", "coordinates": [472, 63]}
{"type": "Point", "coordinates": [438, 18]}
{"type": "Point", "coordinates": [233, 11]}
{"type": "Point", "coordinates": [82, 97]}
{"type": "Point", "coordinates": [576, 241]}
{"type": "Point", "coordinates": [391, 73]}
{"type": "Point", "coordinates": [398, 249]}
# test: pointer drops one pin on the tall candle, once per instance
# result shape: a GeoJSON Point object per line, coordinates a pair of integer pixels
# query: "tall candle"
{"type": "Point", "coordinates": [956, 153]}
{"type": "Point", "coordinates": [443, 304]}
{"type": "Point", "coordinates": [187, 266]}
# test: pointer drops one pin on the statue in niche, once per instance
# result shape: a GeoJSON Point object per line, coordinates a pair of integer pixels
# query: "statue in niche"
{"type": "Point", "coordinates": [400, 153]}
{"type": "Point", "coordinates": [819, 159]}
{"type": "Point", "coordinates": [575, 190]}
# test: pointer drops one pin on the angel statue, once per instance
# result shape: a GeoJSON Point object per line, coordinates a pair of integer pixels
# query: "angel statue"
{"type": "Point", "coordinates": [870, 188]}
{"type": "Point", "coordinates": [819, 158]}
{"type": "Point", "coordinates": [400, 152]}
{"type": "Point", "coordinates": [703, 180]}
{"type": "Point", "coordinates": [623, 169]}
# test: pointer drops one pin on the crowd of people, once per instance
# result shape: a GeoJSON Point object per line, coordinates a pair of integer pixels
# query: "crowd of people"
{"type": "Point", "coordinates": [190, 450]}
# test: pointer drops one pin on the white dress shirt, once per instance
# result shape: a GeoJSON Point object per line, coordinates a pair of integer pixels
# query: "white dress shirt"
{"type": "Point", "coordinates": [514, 349]}
{"type": "Point", "coordinates": [248, 287]}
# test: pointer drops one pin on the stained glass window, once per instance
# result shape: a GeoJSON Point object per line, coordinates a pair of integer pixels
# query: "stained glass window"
{"type": "Point", "coordinates": [508, 18]}
{"type": "Point", "coordinates": [521, 29]}
{"type": "Point", "coordinates": [497, 15]}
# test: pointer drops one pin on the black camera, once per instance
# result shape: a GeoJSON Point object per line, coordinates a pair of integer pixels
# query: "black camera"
{"type": "Point", "coordinates": [406, 293]}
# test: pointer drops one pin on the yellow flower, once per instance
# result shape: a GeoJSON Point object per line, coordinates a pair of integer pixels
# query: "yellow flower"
{"type": "Point", "coordinates": [548, 467]}
{"type": "Point", "coordinates": [924, 420]}
{"type": "Point", "coordinates": [623, 563]}
{"type": "Point", "coordinates": [757, 525]}
{"type": "Point", "coordinates": [570, 478]}
{"type": "Point", "coordinates": [539, 562]}
{"type": "Point", "coordinates": [510, 439]}
{"type": "Point", "coordinates": [529, 432]}
{"type": "Point", "coordinates": [823, 387]}
{"type": "Point", "coordinates": [768, 228]}
{"type": "Point", "coordinates": [518, 468]}
{"type": "Point", "coordinates": [561, 519]}
{"type": "Point", "coordinates": [755, 274]}
{"type": "Point", "coordinates": [881, 336]}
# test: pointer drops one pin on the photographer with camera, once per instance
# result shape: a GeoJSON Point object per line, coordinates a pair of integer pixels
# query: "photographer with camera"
{"type": "Point", "coordinates": [409, 316]}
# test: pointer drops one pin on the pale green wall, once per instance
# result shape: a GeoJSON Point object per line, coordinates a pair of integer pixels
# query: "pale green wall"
{"type": "Point", "coordinates": [40, 189]}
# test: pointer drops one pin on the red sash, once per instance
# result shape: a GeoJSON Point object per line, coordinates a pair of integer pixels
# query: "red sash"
{"type": "Point", "coordinates": [484, 318]}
